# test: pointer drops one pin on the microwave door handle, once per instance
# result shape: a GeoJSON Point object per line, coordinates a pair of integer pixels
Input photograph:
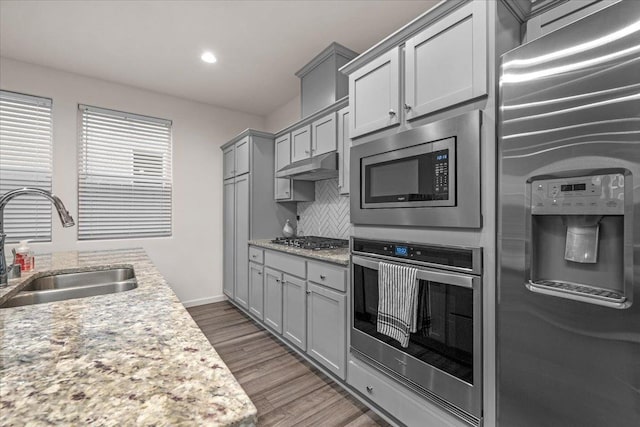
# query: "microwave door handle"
{"type": "Point", "coordinates": [454, 279]}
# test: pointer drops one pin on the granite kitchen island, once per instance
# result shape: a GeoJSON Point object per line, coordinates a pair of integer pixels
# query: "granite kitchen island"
{"type": "Point", "coordinates": [130, 358]}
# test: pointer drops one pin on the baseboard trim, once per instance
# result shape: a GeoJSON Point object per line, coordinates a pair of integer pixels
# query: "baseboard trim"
{"type": "Point", "coordinates": [203, 301]}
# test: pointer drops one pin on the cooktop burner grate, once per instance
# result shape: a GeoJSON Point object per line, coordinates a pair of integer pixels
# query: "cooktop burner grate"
{"type": "Point", "coordinates": [311, 242]}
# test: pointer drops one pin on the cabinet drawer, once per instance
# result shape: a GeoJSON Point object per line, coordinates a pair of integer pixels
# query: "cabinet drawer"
{"type": "Point", "coordinates": [405, 405]}
{"type": "Point", "coordinates": [256, 255]}
{"type": "Point", "coordinates": [289, 264]}
{"type": "Point", "coordinates": [328, 275]}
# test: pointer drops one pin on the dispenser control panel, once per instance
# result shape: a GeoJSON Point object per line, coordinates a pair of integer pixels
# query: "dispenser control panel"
{"type": "Point", "coordinates": [585, 195]}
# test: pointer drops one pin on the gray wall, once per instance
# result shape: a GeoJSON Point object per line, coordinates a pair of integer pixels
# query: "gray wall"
{"type": "Point", "coordinates": [328, 215]}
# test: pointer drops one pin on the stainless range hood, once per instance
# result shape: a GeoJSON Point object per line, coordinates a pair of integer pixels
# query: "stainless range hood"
{"type": "Point", "coordinates": [316, 168]}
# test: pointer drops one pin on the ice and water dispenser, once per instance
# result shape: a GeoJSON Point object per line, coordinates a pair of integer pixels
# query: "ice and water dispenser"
{"type": "Point", "coordinates": [580, 239]}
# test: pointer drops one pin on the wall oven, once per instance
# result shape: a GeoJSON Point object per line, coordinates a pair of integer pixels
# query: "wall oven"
{"type": "Point", "coordinates": [443, 359]}
{"type": "Point", "coordinates": [428, 176]}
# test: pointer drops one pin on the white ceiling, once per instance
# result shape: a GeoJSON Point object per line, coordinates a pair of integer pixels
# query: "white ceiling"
{"type": "Point", "coordinates": [156, 45]}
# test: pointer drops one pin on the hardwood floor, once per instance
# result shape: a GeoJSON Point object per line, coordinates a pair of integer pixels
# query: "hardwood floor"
{"type": "Point", "coordinates": [286, 389]}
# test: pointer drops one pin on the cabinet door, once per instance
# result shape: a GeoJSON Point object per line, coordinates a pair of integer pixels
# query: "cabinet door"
{"type": "Point", "coordinates": [242, 156]}
{"type": "Point", "coordinates": [327, 325]}
{"type": "Point", "coordinates": [273, 299]}
{"type": "Point", "coordinates": [256, 290]}
{"type": "Point", "coordinates": [301, 143]}
{"type": "Point", "coordinates": [294, 311]}
{"type": "Point", "coordinates": [447, 63]}
{"type": "Point", "coordinates": [374, 95]}
{"type": "Point", "coordinates": [344, 150]}
{"type": "Point", "coordinates": [228, 162]}
{"type": "Point", "coordinates": [323, 135]}
{"type": "Point", "coordinates": [228, 238]}
{"type": "Point", "coordinates": [241, 240]}
{"type": "Point", "coordinates": [283, 158]}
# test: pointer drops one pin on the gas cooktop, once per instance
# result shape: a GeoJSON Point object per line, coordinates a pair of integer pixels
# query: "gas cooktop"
{"type": "Point", "coordinates": [311, 242]}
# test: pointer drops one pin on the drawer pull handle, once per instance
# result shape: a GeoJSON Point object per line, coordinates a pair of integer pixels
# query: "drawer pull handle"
{"type": "Point", "coordinates": [369, 389]}
{"type": "Point", "coordinates": [322, 276]}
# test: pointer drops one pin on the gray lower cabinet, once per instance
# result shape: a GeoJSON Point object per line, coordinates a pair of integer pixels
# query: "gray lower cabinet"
{"type": "Point", "coordinates": [326, 328]}
{"type": "Point", "coordinates": [256, 290]}
{"type": "Point", "coordinates": [273, 299]}
{"type": "Point", "coordinates": [294, 311]}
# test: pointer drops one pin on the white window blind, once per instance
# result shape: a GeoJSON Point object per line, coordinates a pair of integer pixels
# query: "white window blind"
{"type": "Point", "coordinates": [124, 181]}
{"type": "Point", "coordinates": [26, 161]}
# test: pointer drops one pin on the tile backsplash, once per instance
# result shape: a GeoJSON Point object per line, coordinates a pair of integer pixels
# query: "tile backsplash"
{"type": "Point", "coordinates": [328, 215]}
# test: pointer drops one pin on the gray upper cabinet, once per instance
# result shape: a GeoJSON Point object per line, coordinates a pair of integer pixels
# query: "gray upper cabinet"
{"type": "Point", "coordinates": [242, 156]}
{"type": "Point", "coordinates": [344, 150]}
{"type": "Point", "coordinates": [447, 63]}
{"type": "Point", "coordinates": [324, 135]}
{"type": "Point", "coordinates": [273, 299]}
{"type": "Point", "coordinates": [256, 290]}
{"type": "Point", "coordinates": [283, 158]}
{"type": "Point", "coordinates": [326, 327]}
{"type": "Point", "coordinates": [294, 310]}
{"type": "Point", "coordinates": [228, 162]}
{"type": "Point", "coordinates": [242, 237]}
{"type": "Point", "coordinates": [301, 143]}
{"type": "Point", "coordinates": [374, 94]}
{"type": "Point", "coordinates": [228, 238]}
{"type": "Point", "coordinates": [235, 159]}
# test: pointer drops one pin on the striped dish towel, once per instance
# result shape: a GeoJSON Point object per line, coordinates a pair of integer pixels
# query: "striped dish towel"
{"type": "Point", "coordinates": [397, 295]}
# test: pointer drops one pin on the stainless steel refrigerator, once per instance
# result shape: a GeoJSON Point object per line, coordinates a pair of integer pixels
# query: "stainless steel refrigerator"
{"type": "Point", "coordinates": [569, 226]}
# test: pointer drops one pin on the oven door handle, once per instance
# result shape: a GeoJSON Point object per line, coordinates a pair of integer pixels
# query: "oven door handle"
{"type": "Point", "coordinates": [455, 279]}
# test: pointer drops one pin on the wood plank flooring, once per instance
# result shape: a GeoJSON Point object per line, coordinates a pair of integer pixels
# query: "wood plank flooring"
{"type": "Point", "coordinates": [287, 390]}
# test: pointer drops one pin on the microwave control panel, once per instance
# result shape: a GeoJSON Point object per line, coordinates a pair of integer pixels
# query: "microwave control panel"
{"type": "Point", "coordinates": [587, 195]}
{"type": "Point", "coordinates": [441, 173]}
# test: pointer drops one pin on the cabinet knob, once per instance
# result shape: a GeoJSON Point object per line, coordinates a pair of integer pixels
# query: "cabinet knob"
{"type": "Point", "coordinates": [322, 276]}
{"type": "Point", "coordinates": [277, 280]}
{"type": "Point", "coordinates": [369, 389]}
{"type": "Point", "coordinates": [407, 107]}
{"type": "Point", "coordinates": [254, 256]}
{"type": "Point", "coordinates": [306, 151]}
{"type": "Point", "coordinates": [259, 273]}
{"type": "Point", "coordinates": [392, 113]}
{"type": "Point", "coordinates": [308, 292]}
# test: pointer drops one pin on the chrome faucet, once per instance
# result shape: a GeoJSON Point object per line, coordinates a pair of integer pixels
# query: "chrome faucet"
{"type": "Point", "coordinates": [67, 221]}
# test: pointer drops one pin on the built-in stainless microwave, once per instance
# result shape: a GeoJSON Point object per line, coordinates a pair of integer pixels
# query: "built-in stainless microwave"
{"type": "Point", "coordinates": [428, 176]}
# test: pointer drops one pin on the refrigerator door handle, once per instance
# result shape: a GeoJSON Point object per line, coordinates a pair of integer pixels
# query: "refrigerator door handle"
{"type": "Point", "coordinates": [577, 292]}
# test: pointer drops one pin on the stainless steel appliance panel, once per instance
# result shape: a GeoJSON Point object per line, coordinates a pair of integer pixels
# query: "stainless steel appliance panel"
{"type": "Point", "coordinates": [570, 110]}
{"type": "Point", "coordinates": [462, 207]}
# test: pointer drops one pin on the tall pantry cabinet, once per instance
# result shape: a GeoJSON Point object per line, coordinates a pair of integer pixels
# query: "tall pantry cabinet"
{"type": "Point", "coordinates": [249, 211]}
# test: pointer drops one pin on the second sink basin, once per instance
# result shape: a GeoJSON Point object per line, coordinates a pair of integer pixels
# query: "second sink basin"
{"type": "Point", "coordinates": [63, 286]}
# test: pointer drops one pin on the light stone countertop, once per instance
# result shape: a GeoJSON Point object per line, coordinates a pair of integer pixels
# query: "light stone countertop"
{"type": "Point", "coordinates": [335, 256]}
{"type": "Point", "coordinates": [130, 358]}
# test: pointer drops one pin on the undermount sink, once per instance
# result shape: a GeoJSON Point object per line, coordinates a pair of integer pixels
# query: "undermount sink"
{"type": "Point", "coordinates": [64, 286]}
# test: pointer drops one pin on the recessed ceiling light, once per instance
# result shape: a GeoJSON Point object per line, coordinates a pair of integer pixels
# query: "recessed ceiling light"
{"type": "Point", "coordinates": [208, 57]}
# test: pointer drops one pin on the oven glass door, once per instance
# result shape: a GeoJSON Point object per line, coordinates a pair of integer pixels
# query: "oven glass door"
{"type": "Point", "coordinates": [444, 337]}
{"type": "Point", "coordinates": [417, 176]}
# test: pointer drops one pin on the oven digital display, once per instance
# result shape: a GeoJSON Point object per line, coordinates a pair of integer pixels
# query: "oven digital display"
{"type": "Point", "coordinates": [402, 250]}
{"type": "Point", "coordinates": [442, 157]}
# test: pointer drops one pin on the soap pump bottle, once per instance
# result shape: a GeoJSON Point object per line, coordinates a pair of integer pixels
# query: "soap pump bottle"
{"type": "Point", "coordinates": [24, 257]}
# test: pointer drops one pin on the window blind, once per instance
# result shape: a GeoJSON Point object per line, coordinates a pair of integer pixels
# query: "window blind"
{"type": "Point", "coordinates": [124, 180]}
{"type": "Point", "coordinates": [26, 161]}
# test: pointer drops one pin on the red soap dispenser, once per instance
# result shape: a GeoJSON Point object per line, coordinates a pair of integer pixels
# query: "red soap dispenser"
{"type": "Point", "coordinates": [24, 257]}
